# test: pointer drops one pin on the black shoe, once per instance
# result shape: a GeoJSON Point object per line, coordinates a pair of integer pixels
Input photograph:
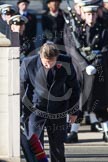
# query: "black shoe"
{"type": "Point", "coordinates": [87, 120]}
{"type": "Point", "coordinates": [105, 136]}
{"type": "Point", "coordinates": [96, 127]}
{"type": "Point", "coordinates": [68, 127]}
{"type": "Point", "coordinates": [72, 138]}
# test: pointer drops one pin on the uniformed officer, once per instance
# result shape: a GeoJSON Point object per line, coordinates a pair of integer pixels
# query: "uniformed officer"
{"type": "Point", "coordinates": [76, 13]}
{"type": "Point", "coordinates": [17, 23]}
{"type": "Point", "coordinates": [105, 5]}
{"type": "Point", "coordinates": [7, 11]}
{"type": "Point", "coordinates": [97, 39]}
{"type": "Point", "coordinates": [53, 24]}
{"type": "Point", "coordinates": [30, 29]}
{"type": "Point", "coordinates": [92, 36]}
{"type": "Point", "coordinates": [92, 117]}
{"type": "Point", "coordinates": [78, 18]}
{"type": "Point", "coordinates": [4, 27]}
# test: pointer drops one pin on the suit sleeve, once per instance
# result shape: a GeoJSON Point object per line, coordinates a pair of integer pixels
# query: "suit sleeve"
{"type": "Point", "coordinates": [23, 79]}
{"type": "Point", "coordinates": [72, 83]}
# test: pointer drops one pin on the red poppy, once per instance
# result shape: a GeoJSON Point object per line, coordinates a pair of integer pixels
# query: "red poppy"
{"type": "Point", "coordinates": [30, 18]}
{"type": "Point", "coordinates": [59, 66]}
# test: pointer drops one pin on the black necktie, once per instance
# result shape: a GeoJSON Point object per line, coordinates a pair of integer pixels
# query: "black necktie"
{"type": "Point", "coordinates": [49, 78]}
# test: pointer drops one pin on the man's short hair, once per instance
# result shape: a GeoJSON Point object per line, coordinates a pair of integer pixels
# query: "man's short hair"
{"type": "Point", "coordinates": [49, 50]}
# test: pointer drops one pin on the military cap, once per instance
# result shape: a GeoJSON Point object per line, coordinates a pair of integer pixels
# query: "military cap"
{"type": "Point", "coordinates": [20, 1]}
{"type": "Point", "coordinates": [105, 1]}
{"type": "Point", "coordinates": [86, 3]}
{"type": "Point", "coordinates": [18, 20]}
{"type": "Point", "coordinates": [91, 8]}
{"type": "Point", "coordinates": [8, 9]}
{"type": "Point", "coordinates": [1, 8]}
{"type": "Point", "coordinates": [98, 2]}
{"type": "Point", "coordinates": [78, 1]}
{"type": "Point", "coordinates": [47, 1]}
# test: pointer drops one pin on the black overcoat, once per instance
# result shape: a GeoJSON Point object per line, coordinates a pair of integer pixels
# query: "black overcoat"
{"type": "Point", "coordinates": [64, 91]}
{"type": "Point", "coordinates": [53, 29]}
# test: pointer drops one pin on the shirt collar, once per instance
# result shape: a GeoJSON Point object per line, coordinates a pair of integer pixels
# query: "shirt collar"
{"type": "Point", "coordinates": [55, 14]}
{"type": "Point", "coordinates": [24, 13]}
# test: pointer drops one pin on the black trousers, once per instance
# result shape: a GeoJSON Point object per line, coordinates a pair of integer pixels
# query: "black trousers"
{"type": "Point", "coordinates": [56, 129]}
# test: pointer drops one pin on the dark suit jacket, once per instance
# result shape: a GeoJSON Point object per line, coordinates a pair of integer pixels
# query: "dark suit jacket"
{"type": "Point", "coordinates": [30, 30]}
{"type": "Point", "coordinates": [64, 91]}
{"type": "Point", "coordinates": [53, 29]}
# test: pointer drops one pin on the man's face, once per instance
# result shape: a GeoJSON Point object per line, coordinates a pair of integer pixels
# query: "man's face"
{"type": "Point", "coordinates": [23, 6]}
{"type": "Point", "coordinates": [18, 28]}
{"type": "Point", "coordinates": [90, 18]}
{"type": "Point", "coordinates": [7, 18]}
{"type": "Point", "coordinates": [53, 5]}
{"type": "Point", "coordinates": [48, 63]}
{"type": "Point", "coordinates": [105, 5]}
{"type": "Point", "coordinates": [77, 9]}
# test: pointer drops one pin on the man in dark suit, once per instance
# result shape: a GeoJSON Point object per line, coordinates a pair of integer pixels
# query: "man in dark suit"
{"type": "Point", "coordinates": [53, 24]}
{"type": "Point", "coordinates": [56, 93]}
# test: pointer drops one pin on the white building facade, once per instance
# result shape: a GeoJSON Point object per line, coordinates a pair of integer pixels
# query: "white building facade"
{"type": "Point", "coordinates": [9, 100]}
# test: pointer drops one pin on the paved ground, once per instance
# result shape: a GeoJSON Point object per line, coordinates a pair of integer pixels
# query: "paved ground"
{"type": "Point", "coordinates": [11, 160]}
{"type": "Point", "coordinates": [90, 147]}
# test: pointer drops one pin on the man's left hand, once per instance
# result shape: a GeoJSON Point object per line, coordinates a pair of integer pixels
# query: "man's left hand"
{"type": "Point", "coordinates": [72, 118]}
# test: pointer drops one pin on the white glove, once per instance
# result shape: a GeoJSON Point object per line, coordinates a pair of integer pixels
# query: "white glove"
{"type": "Point", "coordinates": [90, 70]}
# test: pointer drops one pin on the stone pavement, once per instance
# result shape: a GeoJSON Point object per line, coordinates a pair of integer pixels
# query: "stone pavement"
{"type": "Point", "coordinates": [10, 160]}
{"type": "Point", "coordinates": [90, 147]}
